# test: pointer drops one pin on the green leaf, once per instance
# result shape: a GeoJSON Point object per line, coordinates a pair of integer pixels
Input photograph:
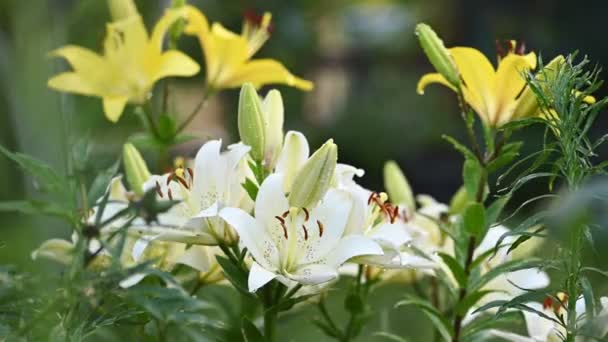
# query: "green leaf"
{"type": "Point", "coordinates": [326, 328]}
{"type": "Point", "coordinates": [459, 201]}
{"type": "Point", "coordinates": [470, 300]}
{"type": "Point", "coordinates": [251, 187]}
{"type": "Point", "coordinates": [471, 175]}
{"type": "Point", "coordinates": [495, 209]}
{"type": "Point", "coordinates": [490, 321]}
{"type": "Point", "coordinates": [289, 303]}
{"type": "Point", "coordinates": [509, 266]}
{"type": "Point", "coordinates": [236, 275]}
{"type": "Point", "coordinates": [167, 128]}
{"type": "Point", "coordinates": [457, 270]}
{"type": "Point", "coordinates": [251, 332]}
{"type": "Point", "coordinates": [46, 177]}
{"type": "Point", "coordinates": [590, 305]}
{"type": "Point", "coordinates": [460, 147]}
{"type": "Point", "coordinates": [389, 336]}
{"type": "Point", "coordinates": [437, 318]}
{"type": "Point", "coordinates": [34, 207]}
{"type": "Point", "coordinates": [474, 220]}
{"type": "Point", "coordinates": [101, 182]}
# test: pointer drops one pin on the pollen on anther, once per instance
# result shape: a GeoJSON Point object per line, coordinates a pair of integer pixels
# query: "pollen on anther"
{"type": "Point", "coordinates": [307, 215]}
{"type": "Point", "coordinates": [282, 220]}
{"type": "Point", "coordinates": [170, 178]}
{"type": "Point", "coordinates": [191, 173]}
{"type": "Point", "coordinates": [170, 194]}
{"type": "Point", "coordinates": [284, 215]}
{"type": "Point", "coordinates": [547, 303]}
{"type": "Point", "coordinates": [284, 230]}
{"type": "Point", "coordinates": [158, 190]}
{"type": "Point", "coordinates": [320, 225]}
{"type": "Point", "coordinates": [305, 232]}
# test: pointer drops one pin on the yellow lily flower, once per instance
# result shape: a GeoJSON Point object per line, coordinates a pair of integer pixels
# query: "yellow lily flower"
{"type": "Point", "coordinates": [228, 55]}
{"type": "Point", "coordinates": [130, 65]}
{"type": "Point", "coordinates": [493, 93]}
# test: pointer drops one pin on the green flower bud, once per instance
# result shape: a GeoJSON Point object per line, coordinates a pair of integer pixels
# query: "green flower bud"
{"type": "Point", "coordinates": [315, 176]}
{"type": "Point", "coordinates": [251, 122]}
{"type": "Point", "coordinates": [121, 9]}
{"type": "Point", "coordinates": [437, 53]}
{"type": "Point", "coordinates": [135, 168]}
{"type": "Point", "coordinates": [397, 186]}
{"type": "Point", "coordinates": [272, 109]}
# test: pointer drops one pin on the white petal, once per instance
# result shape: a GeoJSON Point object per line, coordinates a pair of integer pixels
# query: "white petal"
{"type": "Point", "coordinates": [234, 155]}
{"type": "Point", "coordinates": [293, 155]}
{"type": "Point", "coordinates": [345, 173]}
{"type": "Point", "coordinates": [258, 277]}
{"type": "Point", "coordinates": [253, 235]}
{"type": "Point", "coordinates": [490, 240]}
{"type": "Point", "coordinates": [356, 219]}
{"type": "Point", "coordinates": [197, 257]}
{"type": "Point", "coordinates": [140, 246]}
{"type": "Point", "coordinates": [414, 261]}
{"type": "Point", "coordinates": [271, 201]}
{"type": "Point", "coordinates": [333, 213]}
{"type": "Point", "coordinates": [531, 278]}
{"type": "Point", "coordinates": [352, 246]}
{"type": "Point", "coordinates": [510, 336]}
{"type": "Point", "coordinates": [131, 280]}
{"type": "Point", "coordinates": [538, 328]}
{"type": "Point", "coordinates": [314, 274]}
{"type": "Point", "coordinates": [211, 211]}
{"type": "Point", "coordinates": [391, 234]}
{"type": "Point", "coordinates": [208, 169]}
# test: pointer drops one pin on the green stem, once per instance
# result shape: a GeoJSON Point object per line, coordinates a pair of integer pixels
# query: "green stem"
{"type": "Point", "coordinates": [207, 93]}
{"type": "Point", "coordinates": [147, 110]}
{"type": "Point", "coordinates": [270, 321]}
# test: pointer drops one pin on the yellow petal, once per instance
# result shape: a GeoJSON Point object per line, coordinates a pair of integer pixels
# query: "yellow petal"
{"type": "Point", "coordinates": [266, 71]}
{"type": "Point", "coordinates": [225, 53]}
{"type": "Point", "coordinates": [527, 105]}
{"type": "Point", "coordinates": [197, 25]}
{"type": "Point", "coordinates": [73, 83]}
{"type": "Point", "coordinates": [163, 25]}
{"type": "Point", "coordinates": [114, 106]}
{"type": "Point", "coordinates": [126, 40]}
{"type": "Point", "coordinates": [175, 63]}
{"type": "Point", "coordinates": [81, 59]}
{"type": "Point", "coordinates": [478, 75]}
{"type": "Point", "coordinates": [509, 84]}
{"type": "Point", "coordinates": [432, 78]}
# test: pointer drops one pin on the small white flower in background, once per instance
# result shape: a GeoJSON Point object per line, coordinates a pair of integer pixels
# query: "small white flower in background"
{"type": "Point", "coordinates": [202, 191]}
{"type": "Point", "coordinates": [506, 285]}
{"type": "Point", "coordinates": [541, 329]}
{"type": "Point", "coordinates": [302, 245]}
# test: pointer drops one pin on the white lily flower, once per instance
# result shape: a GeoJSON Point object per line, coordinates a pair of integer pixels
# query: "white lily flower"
{"type": "Point", "coordinates": [306, 246]}
{"type": "Point", "coordinates": [213, 183]}
{"type": "Point", "coordinates": [541, 329]}
{"type": "Point", "coordinates": [375, 218]}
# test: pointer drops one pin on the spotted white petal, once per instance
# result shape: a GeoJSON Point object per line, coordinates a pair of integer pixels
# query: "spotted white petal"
{"type": "Point", "coordinates": [258, 277]}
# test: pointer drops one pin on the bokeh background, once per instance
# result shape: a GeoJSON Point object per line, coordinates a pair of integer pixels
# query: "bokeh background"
{"type": "Point", "coordinates": [365, 62]}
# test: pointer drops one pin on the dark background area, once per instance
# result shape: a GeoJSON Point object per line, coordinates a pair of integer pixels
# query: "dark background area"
{"type": "Point", "coordinates": [362, 55]}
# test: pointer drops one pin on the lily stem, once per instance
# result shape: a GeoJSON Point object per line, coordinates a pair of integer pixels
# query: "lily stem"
{"type": "Point", "coordinates": [207, 93]}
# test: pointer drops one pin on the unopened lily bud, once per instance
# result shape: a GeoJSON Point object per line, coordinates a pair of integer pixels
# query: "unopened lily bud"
{"type": "Point", "coordinates": [314, 178]}
{"type": "Point", "coordinates": [273, 111]}
{"type": "Point", "coordinates": [121, 9]}
{"type": "Point", "coordinates": [397, 186]}
{"type": "Point", "coordinates": [251, 122]}
{"type": "Point", "coordinates": [135, 168]}
{"type": "Point", "coordinates": [437, 54]}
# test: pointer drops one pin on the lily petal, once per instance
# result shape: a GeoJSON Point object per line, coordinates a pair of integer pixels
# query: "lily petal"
{"type": "Point", "coordinates": [352, 246]}
{"type": "Point", "coordinates": [265, 71]}
{"type": "Point", "coordinates": [114, 106]}
{"type": "Point", "coordinates": [253, 235]}
{"type": "Point", "coordinates": [478, 75]}
{"type": "Point", "coordinates": [175, 63]}
{"type": "Point", "coordinates": [271, 202]}
{"type": "Point", "coordinates": [294, 154]}
{"type": "Point", "coordinates": [509, 83]}
{"type": "Point", "coordinates": [196, 257]}
{"type": "Point", "coordinates": [258, 277]}
{"type": "Point", "coordinates": [314, 274]}
{"type": "Point", "coordinates": [432, 78]}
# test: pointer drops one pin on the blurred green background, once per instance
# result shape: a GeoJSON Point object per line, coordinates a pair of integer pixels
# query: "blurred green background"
{"type": "Point", "coordinates": [365, 62]}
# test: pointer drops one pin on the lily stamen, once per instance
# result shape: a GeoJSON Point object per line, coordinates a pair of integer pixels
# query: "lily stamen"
{"type": "Point", "coordinates": [158, 190]}
{"type": "Point", "coordinates": [320, 225]}
{"type": "Point", "coordinates": [305, 232]}
{"type": "Point", "coordinates": [307, 215]}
